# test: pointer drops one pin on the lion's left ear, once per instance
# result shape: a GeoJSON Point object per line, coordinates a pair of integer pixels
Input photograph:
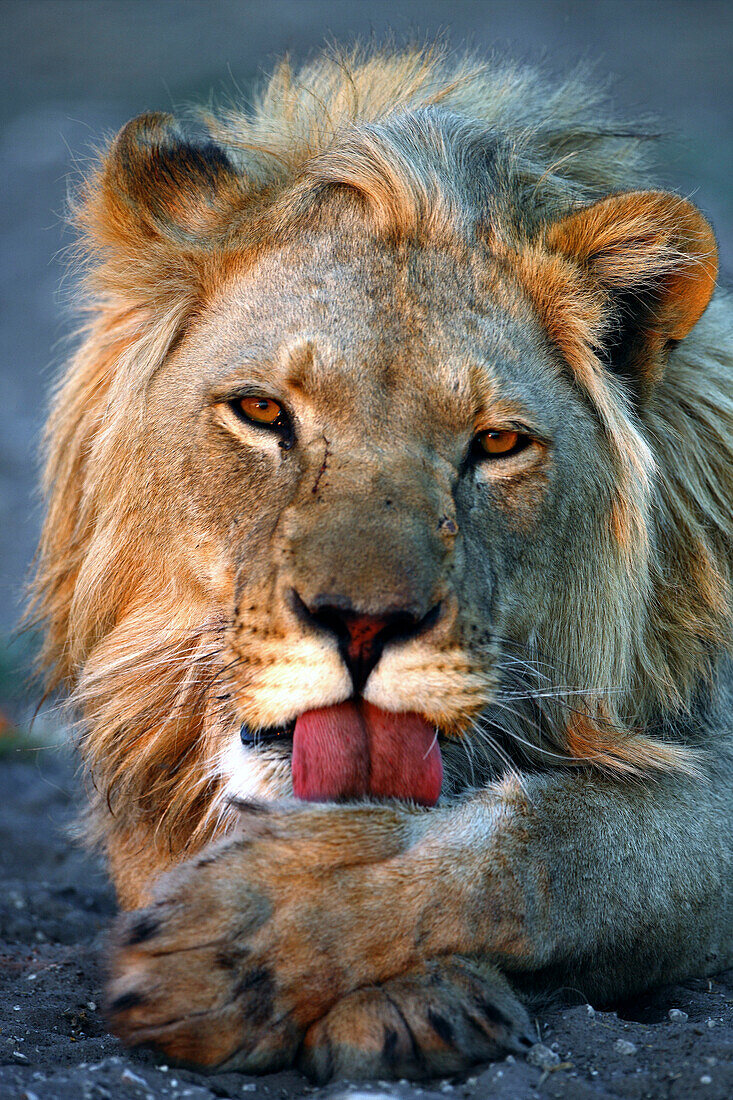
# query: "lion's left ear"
{"type": "Point", "coordinates": [653, 253]}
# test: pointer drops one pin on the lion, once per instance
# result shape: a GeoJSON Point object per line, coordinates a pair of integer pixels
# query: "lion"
{"type": "Point", "coordinates": [387, 566]}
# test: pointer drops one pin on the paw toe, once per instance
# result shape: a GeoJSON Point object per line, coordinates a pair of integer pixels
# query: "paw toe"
{"type": "Point", "coordinates": [363, 1036]}
{"type": "Point", "coordinates": [440, 1019]}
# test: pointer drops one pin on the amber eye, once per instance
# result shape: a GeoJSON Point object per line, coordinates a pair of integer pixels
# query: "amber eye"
{"type": "Point", "coordinates": [260, 410]}
{"type": "Point", "coordinates": [498, 443]}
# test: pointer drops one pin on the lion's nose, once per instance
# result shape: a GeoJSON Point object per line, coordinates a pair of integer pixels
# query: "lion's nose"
{"type": "Point", "coordinates": [361, 637]}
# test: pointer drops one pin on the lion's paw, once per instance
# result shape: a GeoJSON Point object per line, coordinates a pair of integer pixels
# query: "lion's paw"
{"type": "Point", "coordinates": [252, 941]}
{"type": "Point", "coordinates": [191, 976]}
{"type": "Point", "coordinates": [440, 1018]}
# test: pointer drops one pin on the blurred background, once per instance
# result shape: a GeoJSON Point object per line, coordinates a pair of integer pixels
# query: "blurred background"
{"type": "Point", "coordinates": [75, 70]}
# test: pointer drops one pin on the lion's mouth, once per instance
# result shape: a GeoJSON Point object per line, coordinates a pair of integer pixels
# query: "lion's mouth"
{"type": "Point", "coordinates": [357, 750]}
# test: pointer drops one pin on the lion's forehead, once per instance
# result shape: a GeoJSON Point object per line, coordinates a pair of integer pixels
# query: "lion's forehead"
{"type": "Point", "coordinates": [378, 297]}
{"type": "Point", "coordinates": [433, 324]}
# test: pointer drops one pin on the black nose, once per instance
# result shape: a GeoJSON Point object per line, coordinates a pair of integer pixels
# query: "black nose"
{"type": "Point", "coordinates": [361, 637]}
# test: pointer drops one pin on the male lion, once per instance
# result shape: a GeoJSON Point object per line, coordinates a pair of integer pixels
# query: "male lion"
{"type": "Point", "coordinates": [388, 564]}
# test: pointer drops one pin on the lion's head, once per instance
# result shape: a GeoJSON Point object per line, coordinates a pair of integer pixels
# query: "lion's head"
{"type": "Point", "coordinates": [382, 408]}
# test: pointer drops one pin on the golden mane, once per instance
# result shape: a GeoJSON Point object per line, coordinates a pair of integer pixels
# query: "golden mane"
{"type": "Point", "coordinates": [409, 133]}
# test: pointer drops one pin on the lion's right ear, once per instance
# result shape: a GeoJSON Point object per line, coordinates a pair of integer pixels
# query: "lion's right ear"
{"type": "Point", "coordinates": [653, 257]}
{"type": "Point", "coordinates": [156, 196]}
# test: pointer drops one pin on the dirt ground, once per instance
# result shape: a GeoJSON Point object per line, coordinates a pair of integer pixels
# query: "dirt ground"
{"type": "Point", "coordinates": [56, 904]}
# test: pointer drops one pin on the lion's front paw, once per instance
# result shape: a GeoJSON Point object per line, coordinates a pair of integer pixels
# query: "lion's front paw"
{"type": "Point", "coordinates": [440, 1018]}
{"type": "Point", "coordinates": [190, 977]}
{"type": "Point", "coordinates": [250, 943]}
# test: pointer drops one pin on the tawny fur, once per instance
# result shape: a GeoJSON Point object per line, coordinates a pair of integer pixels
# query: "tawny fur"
{"type": "Point", "coordinates": [386, 156]}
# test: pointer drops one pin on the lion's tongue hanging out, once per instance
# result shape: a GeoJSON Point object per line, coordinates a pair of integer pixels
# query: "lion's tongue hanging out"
{"type": "Point", "coordinates": [350, 750]}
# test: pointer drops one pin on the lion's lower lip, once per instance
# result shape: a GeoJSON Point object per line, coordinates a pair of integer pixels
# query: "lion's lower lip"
{"type": "Point", "coordinates": [268, 735]}
{"type": "Point", "coordinates": [283, 735]}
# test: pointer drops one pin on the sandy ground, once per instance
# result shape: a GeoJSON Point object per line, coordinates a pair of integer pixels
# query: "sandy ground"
{"type": "Point", "coordinates": [56, 904]}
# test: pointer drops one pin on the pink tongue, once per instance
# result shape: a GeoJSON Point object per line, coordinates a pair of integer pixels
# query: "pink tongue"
{"type": "Point", "coordinates": [349, 752]}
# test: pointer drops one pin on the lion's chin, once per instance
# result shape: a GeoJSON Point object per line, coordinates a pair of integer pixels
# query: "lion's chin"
{"type": "Point", "coordinates": [356, 750]}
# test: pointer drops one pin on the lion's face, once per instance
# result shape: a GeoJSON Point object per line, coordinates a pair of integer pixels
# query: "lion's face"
{"type": "Point", "coordinates": [382, 417]}
{"type": "Point", "coordinates": [373, 494]}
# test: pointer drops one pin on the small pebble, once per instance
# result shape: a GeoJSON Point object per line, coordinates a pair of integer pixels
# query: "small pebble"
{"type": "Point", "coordinates": [131, 1078]}
{"type": "Point", "coordinates": [678, 1015]}
{"type": "Point", "coordinates": [711, 1023]}
{"type": "Point", "coordinates": [706, 1080]}
{"type": "Point", "coordinates": [542, 1057]}
{"type": "Point", "coordinates": [20, 1057]}
{"type": "Point", "coordinates": [590, 1010]}
{"type": "Point", "coordinates": [623, 1046]}
{"type": "Point", "coordinates": [358, 1094]}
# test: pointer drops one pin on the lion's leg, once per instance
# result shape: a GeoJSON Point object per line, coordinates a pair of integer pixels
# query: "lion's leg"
{"type": "Point", "coordinates": [571, 879]}
{"type": "Point", "coordinates": [624, 885]}
{"type": "Point", "coordinates": [136, 858]}
{"type": "Point", "coordinates": [568, 880]}
{"type": "Point", "coordinates": [438, 1018]}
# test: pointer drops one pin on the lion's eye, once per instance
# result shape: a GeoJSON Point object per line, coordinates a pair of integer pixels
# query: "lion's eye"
{"type": "Point", "coordinates": [260, 410]}
{"type": "Point", "coordinates": [501, 444]}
